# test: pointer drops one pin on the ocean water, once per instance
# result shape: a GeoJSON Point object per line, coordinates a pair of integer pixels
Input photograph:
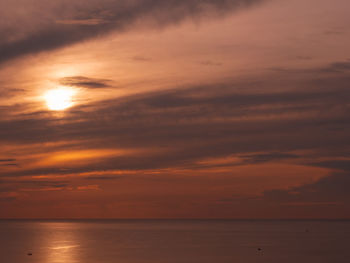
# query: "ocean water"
{"type": "Point", "coordinates": [174, 241]}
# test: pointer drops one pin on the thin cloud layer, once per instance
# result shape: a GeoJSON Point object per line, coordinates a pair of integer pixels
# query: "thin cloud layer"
{"type": "Point", "coordinates": [182, 127]}
{"type": "Point", "coordinates": [68, 22]}
{"type": "Point", "coordinates": [330, 190]}
{"type": "Point", "coordinates": [84, 82]}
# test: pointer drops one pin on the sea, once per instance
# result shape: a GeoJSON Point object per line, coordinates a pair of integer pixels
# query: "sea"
{"type": "Point", "coordinates": [174, 241]}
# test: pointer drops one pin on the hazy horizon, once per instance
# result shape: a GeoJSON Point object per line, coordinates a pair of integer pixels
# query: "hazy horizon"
{"type": "Point", "coordinates": [174, 241]}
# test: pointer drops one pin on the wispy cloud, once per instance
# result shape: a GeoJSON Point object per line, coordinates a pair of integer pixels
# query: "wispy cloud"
{"type": "Point", "coordinates": [65, 23]}
{"type": "Point", "coordinates": [330, 189]}
{"type": "Point", "coordinates": [183, 126]}
{"type": "Point", "coordinates": [85, 82]}
{"type": "Point", "coordinates": [7, 160]}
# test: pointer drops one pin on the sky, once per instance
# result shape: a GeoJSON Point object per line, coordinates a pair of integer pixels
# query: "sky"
{"type": "Point", "coordinates": [174, 109]}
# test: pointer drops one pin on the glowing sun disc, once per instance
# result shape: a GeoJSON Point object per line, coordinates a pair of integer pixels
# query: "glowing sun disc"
{"type": "Point", "coordinates": [59, 99]}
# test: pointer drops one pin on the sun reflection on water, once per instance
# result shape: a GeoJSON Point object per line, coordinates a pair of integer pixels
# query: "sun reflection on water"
{"type": "Point", "coordinates": [62, 243]}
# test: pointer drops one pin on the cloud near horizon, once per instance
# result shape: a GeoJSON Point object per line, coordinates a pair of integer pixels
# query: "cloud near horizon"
{"type": "Point", "coordinates": [181, 129]}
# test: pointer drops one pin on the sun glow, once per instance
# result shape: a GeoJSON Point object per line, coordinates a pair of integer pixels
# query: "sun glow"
{"type": "Point", "coordinates": [59, 99]}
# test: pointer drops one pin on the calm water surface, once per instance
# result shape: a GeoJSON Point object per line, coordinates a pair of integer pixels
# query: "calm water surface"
{"type": "Point", "coordinates": [179, 241]}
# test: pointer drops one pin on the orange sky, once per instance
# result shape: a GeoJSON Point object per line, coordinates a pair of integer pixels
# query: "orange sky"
{"type": "Point", "coordinates": [174, 109]}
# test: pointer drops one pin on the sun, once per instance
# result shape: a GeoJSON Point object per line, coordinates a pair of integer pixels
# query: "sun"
{"type": "Point", "coordinates": [59, 99]}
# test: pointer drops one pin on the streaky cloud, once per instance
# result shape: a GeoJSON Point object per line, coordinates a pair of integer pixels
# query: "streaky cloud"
{"type": "Point", "coordinates": [331, 189]}
{"type": "Point", "coordinates": [85, 82]}
{"type": "Point", "coordinates": [66, 22]}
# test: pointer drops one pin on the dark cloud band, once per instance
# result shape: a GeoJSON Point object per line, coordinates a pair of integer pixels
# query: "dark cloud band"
{"type": "Point", "coordinates": [69, 23]}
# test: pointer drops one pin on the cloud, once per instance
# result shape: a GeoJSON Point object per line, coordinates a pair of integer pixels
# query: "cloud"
{"type": "Point", "coordinates": [141, 58]}
{"type": "Point", "coordinates": [9, 164]}
{"type": "Point", "coordinates": [332, 189]}
{"type": "Point", "coordinates": [7, 199]}
{"type": "Point", "coordinates": [343, 165]}
{"type": "Point", "coordinates": [11, 189]}
{"type": "Point", "coordinates": [88, 187]}
{"type": "Point", "coordinates": [85, 82]}
{"type": "Point", "coordinates": [103, 177]}
{"type": "Point", "coordinates": [181, 127]}
{"type": "Point", "coordinates": [7, 160]}
{"type": "Point", "coordinates": [333, 32]}
{"type": "Point", "coordinates": [66, 22]}
{"type": "Point", "coordinates": [86, 22]}
{"type": "Point", "coordinates": [335, 68]}
{"type": "Point", "coordinates": [304, 57]}
{"type": "Point", "coordinates": [14, 185]}
{"type": "Point", "coordinates": [9, 92]}
{"type": "Point", "coordinates": [267, 157]}
{"type": "Point", "coordinates": [338, 67]}
{"type": "Point", "coordinates": [210, 63]}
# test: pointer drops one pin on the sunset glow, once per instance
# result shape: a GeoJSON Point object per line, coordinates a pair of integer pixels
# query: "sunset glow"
{"type": "Point", "coordinates": [59, 99]}
{"type": "Point", "coordinates": [174, 109]}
